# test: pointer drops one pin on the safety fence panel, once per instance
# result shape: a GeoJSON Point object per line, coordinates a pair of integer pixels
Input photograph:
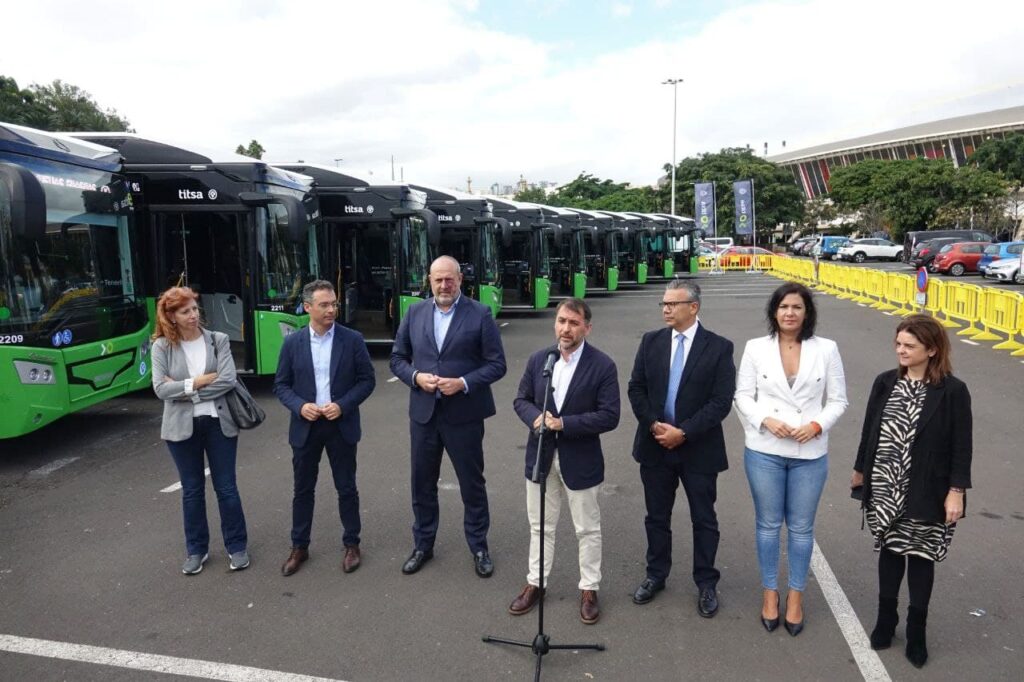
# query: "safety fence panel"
{"type": "Point", "coordinates": [875, 290]}
{"type": "Point", "coordinates": [999, 313]}
{"type": "Point", "coordinates": [962, 302]}
{"type": "Point", "coordinates": [899, 292]}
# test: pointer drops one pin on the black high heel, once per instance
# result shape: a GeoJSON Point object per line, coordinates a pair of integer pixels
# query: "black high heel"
{"type": "Point", "coordinates": [793, 629]}
{"type": "Point", "coordinates": [770, 624]}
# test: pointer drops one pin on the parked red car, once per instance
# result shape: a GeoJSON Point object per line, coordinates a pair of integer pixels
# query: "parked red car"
{"type": "Point", "coordinates": [958, 258]}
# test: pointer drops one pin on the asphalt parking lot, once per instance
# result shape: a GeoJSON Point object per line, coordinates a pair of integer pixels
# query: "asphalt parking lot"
{"type": "Point", "coordinates": [92, 545]}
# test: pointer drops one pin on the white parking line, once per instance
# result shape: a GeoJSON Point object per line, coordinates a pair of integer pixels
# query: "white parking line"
{"type": "Point", "coordinates": [505, 324]}
{"type": "Point", "coordinates": [48, 469]}
{"type": "Point", "coordinates": [973, 343]}
{"type": "Point", "coordinates": [177, 486]}
{"type": "Point", "coordinates": [135, 660]}
{"type": "Point", "coordinates": [392, 380]}
{"type": "Point", "coordinates": [870, 664]}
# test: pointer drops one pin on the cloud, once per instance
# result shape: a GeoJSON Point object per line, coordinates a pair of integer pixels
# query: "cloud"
{"type": "Point", "coordinates": [450, 97]}
{"type": "Point", "coordinates": [622, 10]}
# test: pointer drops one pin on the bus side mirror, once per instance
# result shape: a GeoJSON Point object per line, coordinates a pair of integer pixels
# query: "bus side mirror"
{"type": "Point", "coordinates": [428, 217]}
{"type": "Point", "coordinates": [506, 229]}
{"type": "Point", "coordinates": [298, 220]}
{"type": "Point", "coordinates": [28, 201]}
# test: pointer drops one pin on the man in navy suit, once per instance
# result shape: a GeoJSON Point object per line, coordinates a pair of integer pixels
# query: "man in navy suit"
{"type": "Point", "coordinates": [681, 389]}
{"type": "Point", "coordinates": [323, 374]}
{"type": "Point", "coordinates": [448, 351]}
{"type": "Point", "coordinates": [583, 403]}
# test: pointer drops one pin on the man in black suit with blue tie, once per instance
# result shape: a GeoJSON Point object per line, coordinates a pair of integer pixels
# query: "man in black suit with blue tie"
{"type": "Point", "coordinates": [323, 374]}
{"type": "Point", "coordinates": [448, 351]}
{"type": "Point", "coordinates": [681, 389]}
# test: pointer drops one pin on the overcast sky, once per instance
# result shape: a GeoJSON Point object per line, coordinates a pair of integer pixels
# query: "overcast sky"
{"type": "Point", "coordinates": [494, 90]}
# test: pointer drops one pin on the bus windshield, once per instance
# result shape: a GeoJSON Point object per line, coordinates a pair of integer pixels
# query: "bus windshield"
{"type": "Point", "coordinates": [416, 253]}
{"type": "Point", "coordinates": [284, 266]}
{"type": "Point", "coordinates": [75, 283]}
{"type": "Point", "coordinates": [543, 255]}
{"type": "Point", "coordinates": [489, 252]}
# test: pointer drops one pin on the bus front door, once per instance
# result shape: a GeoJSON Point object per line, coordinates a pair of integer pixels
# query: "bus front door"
{"type": "Point", "coordinates": [204, 251]}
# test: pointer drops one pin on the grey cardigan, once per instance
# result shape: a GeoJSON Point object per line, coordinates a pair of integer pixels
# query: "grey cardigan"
{"type": "Point", "coordinates": [170, 370]}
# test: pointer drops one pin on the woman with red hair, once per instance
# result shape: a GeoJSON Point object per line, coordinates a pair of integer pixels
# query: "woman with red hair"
{"type": "Point", "coordinates": [192, 370]}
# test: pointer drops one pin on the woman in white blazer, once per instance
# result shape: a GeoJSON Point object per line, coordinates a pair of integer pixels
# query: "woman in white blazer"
{"type": "Point", "coordinates": [192, 370]}
{"type": "Point", "coordinates": [790, 390]}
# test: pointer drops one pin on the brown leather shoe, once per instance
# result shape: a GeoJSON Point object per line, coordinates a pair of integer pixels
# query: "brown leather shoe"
{"type": "Point", "coordinates": [590, 612]}
{"type": "Point", "coordinates": [352, 558]}
{"type": "Point", "coordinates": [526, 600]}
{"type": "Point", "coordinates": [294, 560]}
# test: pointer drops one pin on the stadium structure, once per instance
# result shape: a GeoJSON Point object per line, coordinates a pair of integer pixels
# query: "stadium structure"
{"type": "Point", "coordinates": [952, 138]}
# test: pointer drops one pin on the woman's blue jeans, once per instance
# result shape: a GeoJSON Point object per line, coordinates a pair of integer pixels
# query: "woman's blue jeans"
{"type": "Point", "coordinates": [220, 452]}
{"type": "Point", "coordinates": [785, 489]}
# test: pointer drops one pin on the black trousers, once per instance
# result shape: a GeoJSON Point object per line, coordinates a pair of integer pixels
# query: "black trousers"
{"type": "Point", "coordinates": [324, 434]}
{"type": "Point", "coordinates": [464, 444]}
{"type": "Point", "coordinates": [920, 577]}
{"type": "Point", "coordinates": [660, 483]}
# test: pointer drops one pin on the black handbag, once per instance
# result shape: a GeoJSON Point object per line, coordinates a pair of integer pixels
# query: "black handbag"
{"type": "Point", "coordinates": [245, 412]}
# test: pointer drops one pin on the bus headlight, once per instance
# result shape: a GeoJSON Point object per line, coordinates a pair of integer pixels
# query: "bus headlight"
{"type": "Point", "coordinates": [34, 372]}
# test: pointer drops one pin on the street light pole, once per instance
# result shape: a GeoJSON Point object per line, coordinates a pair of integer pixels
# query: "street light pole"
{"type": "Point", "coordinates": [673, 82]}
{"type": "Point", "coordinates": [337, 161]}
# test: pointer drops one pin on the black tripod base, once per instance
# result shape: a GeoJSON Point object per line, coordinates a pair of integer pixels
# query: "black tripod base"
{"type": "Point", "coordinates": [541, 644]}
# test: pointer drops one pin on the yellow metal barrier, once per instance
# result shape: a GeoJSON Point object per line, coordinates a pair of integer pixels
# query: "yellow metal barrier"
{"type": "Point", "coordinates": [875, 290]}
{"type": "Point", "coordinates": [1020, 328]}
{"type": "Point", "coordinates": [963, 302]}
{"type": "Point", "coordinates": [899, 291]}
{"type": "Point", "coordinates": [999, 312]}
{"type": "Point", "coordinates": [933, 305]}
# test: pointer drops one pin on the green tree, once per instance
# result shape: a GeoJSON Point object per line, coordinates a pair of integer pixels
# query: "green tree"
{"type": "Point", "coordinates": [777, 199]}
{"type": "Point", "coordinates": [590, 192]}
{"type": "Point", "coordinates": [916, 194]}
{"type": "Point", "coordinates": [534, 195]}
{"type": "Point", "coordinates": [1006, 157]}
{"type": "Point", "coordinates": [56, 107]}
{"type": "Point", "coordinates": [254, 150]}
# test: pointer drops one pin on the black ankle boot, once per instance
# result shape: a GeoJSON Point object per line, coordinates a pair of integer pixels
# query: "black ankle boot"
{"type": "Point", "coordinates": [917, 648]}
{"type": "Point", "coordinates": [885, 626]}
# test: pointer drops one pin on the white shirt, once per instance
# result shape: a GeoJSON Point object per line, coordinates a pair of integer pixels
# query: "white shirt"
{"type": "Point", "coordinates": [689, 333]}
{"type": "Point", "coordinates": [561, 375]}
{"type": "Point", "coordinates": [321, 346]}
{"type": "Point", "coordinates": [195, 360]}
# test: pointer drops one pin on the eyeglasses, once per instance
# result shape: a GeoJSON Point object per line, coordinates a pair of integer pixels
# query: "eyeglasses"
{"type": "Point", "coordinates": [673, 304]}
{"type": "Point", "coordinates": [328, 306]}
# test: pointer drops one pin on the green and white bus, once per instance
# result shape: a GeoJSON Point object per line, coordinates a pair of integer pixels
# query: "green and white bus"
{"type": "Point", "coordinates": [633, 238]}
{"type": "Point", "coordinates": [73, 324]}
{"type": "Point", "coordinates": [658, 236]}
{"type": "Point", "coordinates": [242, 233]}
{"type": "Point", "coordinates": [379, 243]}
{"type": "Point", "coordinates": [567, 251]}
{"type": "Point", "coordinates": [600, 251]}
{"type": "Point", "coordinates": [473, 236]}
{"type": "Point", "coordinates": [526, 259]}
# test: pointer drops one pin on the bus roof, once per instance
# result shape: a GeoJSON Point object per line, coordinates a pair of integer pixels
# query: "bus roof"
{"type": "Point", "coordinates": [34, 142]}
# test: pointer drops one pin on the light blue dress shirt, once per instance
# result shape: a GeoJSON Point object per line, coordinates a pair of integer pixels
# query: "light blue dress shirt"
{"type": "Point", "coordinates": [442, 321]}
{"type": "Point", "coordinates": [321, 346]}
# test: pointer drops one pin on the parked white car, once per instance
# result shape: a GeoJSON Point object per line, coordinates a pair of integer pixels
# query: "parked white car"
{"type": "Point", "coordinates": [860, 250]}
{"type": "Point", "coordinates": [1005, 270]}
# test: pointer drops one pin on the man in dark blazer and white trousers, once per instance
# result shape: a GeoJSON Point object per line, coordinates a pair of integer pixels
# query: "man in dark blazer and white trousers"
{"type": "Point", "coordinates": [448, 351]}
{"type": "Point", "coordinates": [583, 403]}
{"type": "Point", "coordinates": [681, 389]}
{"type": "Point", "coordinates": [323, 374]}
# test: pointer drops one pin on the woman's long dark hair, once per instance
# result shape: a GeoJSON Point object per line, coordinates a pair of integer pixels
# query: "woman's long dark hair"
{"type": "Point", "coordinates": [810, 316]}
{"type": "Point", "coordinates": [932, 336]}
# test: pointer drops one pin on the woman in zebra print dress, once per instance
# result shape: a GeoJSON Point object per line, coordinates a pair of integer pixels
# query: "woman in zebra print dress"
{"type": "Point", "coordinates": [914, 463]}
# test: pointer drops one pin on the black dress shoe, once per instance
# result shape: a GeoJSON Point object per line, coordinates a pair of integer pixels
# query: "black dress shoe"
{"type": "Point", "coordinates": [794, 629]}
{"type": "Point", "coordinates": [707, 602]}
{"type": "Point", "coordinates": [645, 593]}
{"type": "Point", "coordinates": [483, 564]}
{"type": "Point", "coordinates": [770, 624]}
{"type": "Point", "coordinates": [416, 560]}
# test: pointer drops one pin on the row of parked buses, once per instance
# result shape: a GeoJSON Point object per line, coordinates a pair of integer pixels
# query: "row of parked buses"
{"type": "Point", "coordinates": [93, 226]}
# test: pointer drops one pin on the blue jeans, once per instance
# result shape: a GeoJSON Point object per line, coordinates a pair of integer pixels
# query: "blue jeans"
{"type": "Point", "coordinates": [220, 453]}
{"type": "Point", "coordinates": [785, 488]}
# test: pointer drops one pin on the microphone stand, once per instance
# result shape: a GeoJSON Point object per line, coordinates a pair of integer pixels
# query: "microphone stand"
{"type": "Point", "coordinates": [541, 643]}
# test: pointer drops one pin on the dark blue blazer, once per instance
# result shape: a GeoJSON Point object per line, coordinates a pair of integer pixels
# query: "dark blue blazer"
{"type": "Point", "coordinates": [590, 408]}
{"type": "Point", "coordinates": [472, 350]}
{"type": "Point", "coordinates": [352, 381]}
{"type": "Point", "coordinates": [703, 401]}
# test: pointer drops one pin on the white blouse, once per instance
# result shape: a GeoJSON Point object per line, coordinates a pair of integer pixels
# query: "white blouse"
{"type": "Point", "coordinates": [195, 359]}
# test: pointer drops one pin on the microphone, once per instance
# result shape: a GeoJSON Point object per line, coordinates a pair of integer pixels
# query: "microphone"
{"type": "Point", "coordinates": [549, 363]}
